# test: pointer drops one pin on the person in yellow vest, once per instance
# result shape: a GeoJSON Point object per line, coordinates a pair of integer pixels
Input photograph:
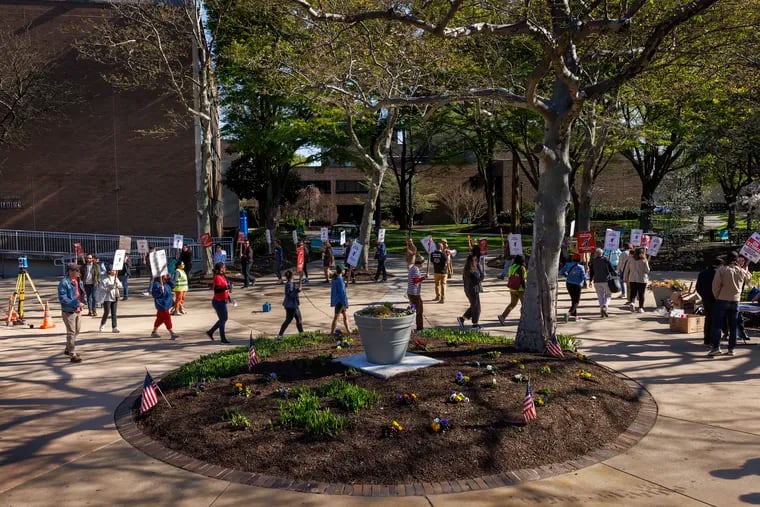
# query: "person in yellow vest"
{"type": "Point", "coordinates": [180, 289]}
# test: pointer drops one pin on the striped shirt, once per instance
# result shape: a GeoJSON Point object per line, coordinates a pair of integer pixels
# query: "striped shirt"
{"type": "Point", "coordinates": [412, 287]}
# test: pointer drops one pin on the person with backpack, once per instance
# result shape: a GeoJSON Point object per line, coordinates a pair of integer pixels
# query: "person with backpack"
{"type": "Point", "coordinates": [516, 284]}
{"type": "Point", "coordinates": [600, 272]}
{"type": "Point", "coordinates": [381, 254]}
{"type": "Point", "coordinates": [471, 278]}
{"type": "Point", "coordinates": [575, 275]}
{"type": "Point", "coordinates": [439, 259]}
{"type": "Point", "coordinates": [614, 257]}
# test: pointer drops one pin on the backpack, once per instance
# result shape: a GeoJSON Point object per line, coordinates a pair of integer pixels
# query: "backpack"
{"type": "Point", "coordinates": [515, 280]}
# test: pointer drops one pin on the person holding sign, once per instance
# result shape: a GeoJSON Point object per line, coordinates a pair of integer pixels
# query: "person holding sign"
{"type": "Point", "coordinates": [219, 302]}
{"type": "Point", "coordinates": [440, 265]}
{"type": "Point", "coordinates": [411, 252]}
{"type": "Point", "coordinates": [161, 290]}
{"type": "Point", "coordinates": [305, 249]}
{"type": "Point", "coordinates": [414, 289]}
{"type": "Point", "coordinates": [291, 304]}
{"type": "Point", "coordinates": [601, 271]}
{"type": "Point", "coordinates": [381, 255]}
{"type": "Point", "coordinates": [472, 277]}
{"type": "Point", "coordinates": [246, 258]}
{"type": "Point", "coordinates": [111, 285]}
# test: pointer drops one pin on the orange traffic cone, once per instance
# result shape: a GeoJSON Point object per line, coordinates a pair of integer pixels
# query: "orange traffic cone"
{"type": "Point", "coordinates": [10, 313]}
{"type": "Point", "coordinates": [47, 322]}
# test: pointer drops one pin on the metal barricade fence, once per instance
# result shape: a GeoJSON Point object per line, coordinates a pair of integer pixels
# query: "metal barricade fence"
{"type": "Point", "coordinates": [59, 246]}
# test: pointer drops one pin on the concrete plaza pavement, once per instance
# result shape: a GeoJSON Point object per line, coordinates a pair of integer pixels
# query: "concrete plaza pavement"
{"type": "Point", "coordinates": [59, 445]}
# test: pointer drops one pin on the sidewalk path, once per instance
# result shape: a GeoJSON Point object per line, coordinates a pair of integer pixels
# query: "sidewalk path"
{"type": "Point", "coordinates": [59, 446]}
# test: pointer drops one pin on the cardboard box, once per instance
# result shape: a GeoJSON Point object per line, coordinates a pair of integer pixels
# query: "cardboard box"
{"type": "Point", "coordinates": [688, 324]}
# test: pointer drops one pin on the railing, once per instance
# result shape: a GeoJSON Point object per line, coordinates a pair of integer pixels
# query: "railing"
{"type": "Point", "coordinates": [59, 246]}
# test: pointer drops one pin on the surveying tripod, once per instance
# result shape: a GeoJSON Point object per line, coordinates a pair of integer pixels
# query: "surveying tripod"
{"type": "Point", "coordinates": [20, 293]}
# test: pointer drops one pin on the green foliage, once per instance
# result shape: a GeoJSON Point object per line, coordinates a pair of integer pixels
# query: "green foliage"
{"type": "Point", "coordinates": [308, 363]}
{"type": "Point", "coordinates": [233, 362]}
{"type": "Point", "coordinates": [350, 396]}
{"type": "Point", "coordinates": [236, 418]}
{"type": "Point", "coordinates": [568, 342]}
{"type": "Point", "coordinates": [608, 212]}
{"type": "Point", "coordinates": [466, 336]}
{"type": "Point", "coordinates": [304, 412]}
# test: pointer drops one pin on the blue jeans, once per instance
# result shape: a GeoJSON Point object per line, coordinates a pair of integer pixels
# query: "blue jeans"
{"type": "Point", "coordinates": [278, 269]}
{"type": "Point", "coordinates": [725, 311]}
{"type": "Point", "coordinates": [109, 308]}
{"type": "Point", "coordinates": [125, 282]}
{"type": "Point", "coordinates": [89, 291]}
{"type": "Point", "coordinates": [221, 313]}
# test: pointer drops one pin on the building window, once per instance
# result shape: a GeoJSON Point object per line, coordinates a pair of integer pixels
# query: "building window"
{"type": "Point", "coordinates": [323, 186]}
{"type": "Point", "coordinates": [350, 187]}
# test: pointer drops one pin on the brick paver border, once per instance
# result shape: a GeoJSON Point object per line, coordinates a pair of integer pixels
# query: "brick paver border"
{"type": "Point", "coordinates": [644, 421]}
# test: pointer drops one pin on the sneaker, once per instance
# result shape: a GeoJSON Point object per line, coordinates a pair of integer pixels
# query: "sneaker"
{"type": "Point", "coordinates": [640, 310]}
{"type": "Point", "coordinates": [174, 336]}
{"type": "Point", "coordinates": [500, 277]}
{"type": "Point", "coordinates": [477, 327]}
{"type": "Point", "coordinates": [66, 353]}
{"type": "Point", "coordinates": [102, 328]}
{"type": "Point", "coordinates": [502, 320]}
{"type": "Point", "coordinates": [715, 352]}
{"type": "Point", "coordinates": [173, 313]}
{"type": "Point", "coordinates": [76, 358]}
{"type": "Point", "coordinates": [730, 352]}
{"type": "Point", "coordinates": [147, 294]}
{"type": "Point", "coordinates": [460, 321]}
{"type": "Point", "coordinates": [94, 314]}
{"type": "Point", "coordinates": [441, 302]}
{"type": "Point", "coordinates": [125, 298]}
{"type": "Point", "coordinates": [155, 335]}
{"type": "Point", "coordinates": [116, 330]}
{"type": "Point", "coordinates": [279, 337]}
{"type": "Point", "coordinates": [182, 312]}
{"type": "Point", "coordinates": [224, 340]}
{"type": "Point", "coordinates": [210, 335]}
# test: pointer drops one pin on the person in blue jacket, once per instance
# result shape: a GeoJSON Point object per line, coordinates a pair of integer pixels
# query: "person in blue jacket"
{"type": "Point", "coordinates": [71, 295]}
{"type": "Point", "coordinates": [575, 274]}
{"type": "Point", "coordinates": [291, 303]}
{"type": "Point", "coordinates": [339, 299]}
{"type": "Point", "coordinates": [162, 292]}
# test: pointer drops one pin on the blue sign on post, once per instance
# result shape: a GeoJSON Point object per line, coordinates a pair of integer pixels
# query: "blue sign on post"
{"type": "Point", "coordinates": [244, 222]}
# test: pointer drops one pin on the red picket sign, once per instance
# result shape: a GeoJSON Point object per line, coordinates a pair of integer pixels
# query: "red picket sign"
{"type": "Point", "coordinates": [586, 242]}
{"type": "Point", "coordinates": [299, 259]}
{"type": "Point", "coordinates": [206, 240]}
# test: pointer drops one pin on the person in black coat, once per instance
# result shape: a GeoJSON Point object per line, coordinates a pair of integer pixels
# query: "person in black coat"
{"type": "Point", "coordinates": [704, 289]}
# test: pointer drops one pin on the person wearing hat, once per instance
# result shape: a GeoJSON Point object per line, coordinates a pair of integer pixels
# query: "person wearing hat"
{"type": "Point", "coordinates": [575, 275]}
{"type": "Point", "coordinates": [71, 297]}
{"type": "Point", "coordinates": [439, 261]}
{"type": "Point", "coordinates": [414, 289]}
{"type": "Point", "coordinates": [111, 286]}
{"type": "Point", "coordinates": [727, 289]}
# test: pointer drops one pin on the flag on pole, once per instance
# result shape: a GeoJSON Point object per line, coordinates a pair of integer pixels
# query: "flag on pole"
{"type": "Point", "coordinates": [529, 407]}
{"type": "Point", "coordinates": [253, 357]}
{"type": "Point", "coordinates": [553, 347]}
{"type": "Point", "coordinates": [149, 398]}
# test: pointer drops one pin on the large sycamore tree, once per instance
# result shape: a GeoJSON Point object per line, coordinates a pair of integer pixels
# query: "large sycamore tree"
{"type": "Point", "coordinates": [624, 35]}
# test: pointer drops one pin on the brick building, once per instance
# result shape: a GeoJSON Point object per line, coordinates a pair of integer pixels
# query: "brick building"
{"type": "Point", "coordinates": [618, 185]}
{"type": "Point", "coordinates": [89, 170]}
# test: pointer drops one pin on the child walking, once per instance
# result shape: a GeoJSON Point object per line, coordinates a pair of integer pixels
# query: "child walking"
{"type": "Point", "coordinates": [161, 290]}
{"type": "Point", "coordinates": [339, 299]}
{"type": "Point", "coordinates": [291, 303]}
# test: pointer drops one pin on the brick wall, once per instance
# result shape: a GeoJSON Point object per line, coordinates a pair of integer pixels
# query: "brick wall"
{"type": "Point", "coordinates": [90, 171]}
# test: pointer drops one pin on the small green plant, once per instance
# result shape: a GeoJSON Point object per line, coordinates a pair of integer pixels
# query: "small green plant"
{"type": "Point", "coordinates": [493, 354]}
{"type": "Point", "coordinates": [304, 412]}
{"type": "Point", "coordinates": [241, 389]}
{"type": "Point", "coordinates": [546, 391]}
{"type": "Point", "coordinates": [348, 395]}
{"type": "Point", "coordinates": [568, 342]}
{"type": "Point", "coordinates": [309, 363]}
{"type": "Point", "coordinates": [236, 418]}
{"type": "Point", "coordinates": [351, 372]}
{"type": "Point", "coordinates": [467, 336]}
{"type": "Point", "coordinates": [545, 369]}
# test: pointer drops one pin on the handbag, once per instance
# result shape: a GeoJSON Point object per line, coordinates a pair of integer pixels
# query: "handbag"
{"type": "Point", "coordinates": [613, 282]}
{"type": "Point", "coordinates": [100, 294]}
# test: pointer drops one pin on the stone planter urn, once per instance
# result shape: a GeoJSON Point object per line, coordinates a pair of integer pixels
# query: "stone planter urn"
{"type": "Point", "coordinates": [660, 294]}
{"type": "Point", "coordinates": [385, 335]}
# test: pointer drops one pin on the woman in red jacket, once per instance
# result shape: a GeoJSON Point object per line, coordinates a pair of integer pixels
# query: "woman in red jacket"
{"type": "Point", "coordinates": [219, 301]}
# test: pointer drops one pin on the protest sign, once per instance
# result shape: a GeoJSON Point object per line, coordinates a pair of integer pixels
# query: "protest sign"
{"type": "Point", "coordinates": [295, 237]}
{"type": "Point", "coordinates": [515, 244]}
{"type": "Point", "coordinates": [353, 255]}
{"type": "Point", "coordinates": [300, 259]}
{"type": "Point", "coordinates": [78, 249]}
{"type": "Point", "coordinates": [125, 243]}
{"type": "Point", "coordinates": [324, 234]}
{"type": "Point", "coordinates": [636, 236]}
{"type": "Point", "coordinates": [428, 244]}
{"type": "Point", "coordinates": [586, 242]}
{"type": "Point", "coordinates": [142, 246]}
{"type": "Point", "coordinates": [158, 263]}
{"type": "Point", "coordinates": [241, 238]}
{"type": "Point", "coordinates": [654, 246]}
{"type": "Point", "coordinates": [751, 249]}
{"type": "Point", "coordinates": [269, 236]}
{"type": "Point", "coordinates": [342, 238]}
{"type": "Point", "coordinates": [206, 240]}
{"type": "Point", "coordinates": [178, 240]}
{"type": "Point", "coordinates": [118, 260]}
{"type": "Point", "coordinates": [381, 236]}
{"type": "Point", "coordinates": [611, 240]}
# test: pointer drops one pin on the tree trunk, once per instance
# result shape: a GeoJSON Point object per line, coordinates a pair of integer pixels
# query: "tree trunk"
{"type": "Point", "coordinates": [203, 197]}
{"type": "Point", "coordinates": [490, 184]}
{"type": "Point", "coordinates": [731, 201]}
{"type": "Point", "coordinates": [538, 320]}
{"type": "Point", "coordinates": [647, 204]}
{"type": "Point", "coordinates": [515, 208]}
{"type": "Point", "coordinates": [365, 229]}
{"type": "Point", "coordinates": [403, 202]}
{"type": "Point", "coordinates": [583, 211]}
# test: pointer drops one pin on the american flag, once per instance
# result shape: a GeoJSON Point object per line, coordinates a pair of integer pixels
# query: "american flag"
{"type": "Point", "coordinates": [553, 348]}
{"type": "Point", "coordinates": [149, 398]}
{"type": "Point", "coordinates": [529, 408]}
{"type": "Point", "coordinates": [253, 357]}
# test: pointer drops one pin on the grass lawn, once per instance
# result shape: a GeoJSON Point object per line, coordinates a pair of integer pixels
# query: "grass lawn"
{"type": "Point", "coordinates": [456, 235]}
